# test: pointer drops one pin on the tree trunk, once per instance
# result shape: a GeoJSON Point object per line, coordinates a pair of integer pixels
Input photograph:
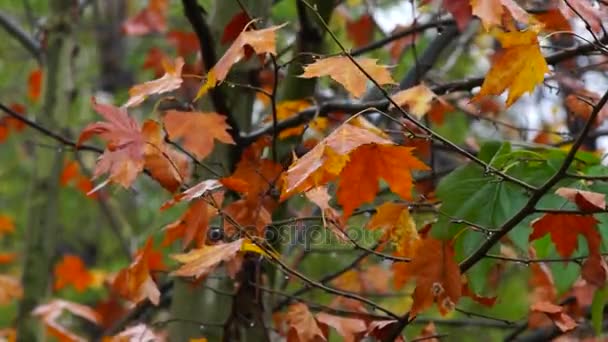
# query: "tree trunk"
{"type": "Point", "coordinates": [42, 225]}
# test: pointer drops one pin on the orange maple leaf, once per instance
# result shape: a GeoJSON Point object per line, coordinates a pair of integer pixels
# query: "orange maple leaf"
{"type": "Point", "coordinates": [325, 161]}
{"type": "Point", "coordinates": [171, 80]}
{"type": "Point", "coordinates": [345, 72]}
{"type": "Point", "coordinates": [564, 230]}
{"type": "Point", "coordinates": [437, 276]}
{"type": "Point", "coordinates": [399, 226]}
{"type": "Point", "coordinates": [197, 130]}
{"type": "Point", "coordinates": [369, 163]}
{"type": "Point", "coordinates": [71, 270]}
{"type": "Point", "coordinates": [193, 224]}
{"type": "Point", "coordinates": [420, 100]}
{"type": "Point", "coordinates": [302, 325]}
{"type": "Point", "coordinates": [7, 258]}
{"type": "Point", "coordinates": [261, 41]}
{"type": "Point", "coordinates": [491, 11]}
{"type": "Point", "coordinates": [135, 282]}
{"type": "Point", "coordinates": [519, 67]}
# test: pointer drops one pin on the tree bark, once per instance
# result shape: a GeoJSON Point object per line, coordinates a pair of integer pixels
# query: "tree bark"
{"type": "Point", "coordinates": [42, 226]}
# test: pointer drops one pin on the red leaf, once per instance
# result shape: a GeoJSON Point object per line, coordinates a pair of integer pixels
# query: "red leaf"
{"type": "Point", "coordinates": [361, 31]}
{"type": "Point", "coordinates": [565, 229]}
{"type": "Point", "coordinates": [34, 85]}
{"type": "Point", "coordinates": [234, 27]}
{"type": "Point", "coordinates": [185, 42]}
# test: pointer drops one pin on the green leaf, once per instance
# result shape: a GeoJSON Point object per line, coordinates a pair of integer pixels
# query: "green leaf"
{"type": "Point", "coordinates": [597, 309]}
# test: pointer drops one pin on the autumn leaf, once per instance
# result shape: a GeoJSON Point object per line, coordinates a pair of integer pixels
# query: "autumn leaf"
{"type": "Point", "coordinates": [553, 20]}
{"type": "Point", "coordinates": [562, 320]}
{"type": "Point", "coordinates": [197, 130]}
{"type": "Point", "coordinates": [71, 270]}
{"type": "Point", "coordinates": [10, 288]}
{"type": "Point", "coordinates": [518, 67]}
{"type": "Point", "coordinates": [585, 200]}
{"type": "Point", "coordinates": [9, 123]}
{"type": "Point", "coordinates": [7, 226]}
{"type": "Point", "coordinates": [399, 226]}
{"type": "Point", "coordinates": [461, 10]}
{"type": "Point", "coordinates": [135, 282]}
{"type": "Point", "coordinates": [234, 27]}
{"type": "Point", "coordinates": [201, 261]}
{"type": "Point", "coordinates": [192, 226]}
{"type": "Point", "coordinates": [185, 42]}
{"type": "Point", "coordinates": [350, 329]}
{"type": "Point", "coordinates": [261, 41]}
{"type": "Point", "coordinates": [50, 312]}
{"type": "Point", "coordinates": [428, 333]}
{"type": "Point", "coordinates": [382, 329]}
{"type": "Point", "coordinates": [123, 158]}
{"type": "Point", "coordinates": [154, 61]}
{"type": "Point", "coordinates": [564, 230]}
{"type": "Point", "coordinates": [325, 161]}
{"type": "Point", "coordinates": [367, 165]}
{"type": "Point", "coordinates": [361, 31]}
{"type": "Point", "coordinates": [169, 167]}
{"type": "Point", "coordinates": [149, 20]}
{"type": "Point", "coordinates": [7, 258]}
{"type": "Point", "coordinates": [71, 175]}
{"type": "Point", "coordinates": [34, 85]}
{"type": "Point", "coordinates": [171, 80]}
{"type": "Point", "coordinates": [420, 100]}
{"type": "Point", "coordinates": [342, 70]}
{"type": "Point", "coordinates": [302, 326]}
{"type": "Point", "coordinates": [437, 276]}
{"type": "Point", "coordinates": [288, 109]}
{"type": "Point", "coordinates": [197, 191]}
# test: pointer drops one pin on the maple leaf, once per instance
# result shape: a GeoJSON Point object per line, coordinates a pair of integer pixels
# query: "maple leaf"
{"type": "Point", "coordinates": [437, 276]}
{"type": "Point", "coordinates": [397, 47]}
{"type": "Point", "coordinates": [361, 31]}
{"type": "Point", "coordinates": [7, 226]}
{"type": "Point", "coordinates": [398, 224]}
{"type": "Point", "coordinates": [34, 85]}
{"type": "Point", "coordinates": [585, 200]}
{"type": "Point", "coordinates": [289, 108]}
{"type": "Point", "coordinates": [193, 224]}
{"type": "Point", "coordinates": [109, 310]}
{"type": "Point", "coordinates": [7, 258]}
{"type": "Point", "coordinates": [169, 167]}
{"type": "Point", "coordinates": [428, 333]}
{"type": "Point", "coordinates": [594, 16]}
{"type": "Point", "coordinates": [71, 174]}
{"type": "Point", "coordinates": [201, 261]}
{"type": "Point", "coordinates": [381, 330]}
{"type": "Point", "coordinates": [150, 19]}
{"type": "Point", "coordinates": [421, 100]}
{"type": "Point", "coordinates": [321, 198]}
{"type": "Point", "coordinates": [50, 312]}
{"type": "Point", "coordinates": [71, 270]}
{"type": "Point", "coordinates": [325, 161]}
{"type": "Point", "coordinates": [9, 123]}
{"type": "Point", "coordinates": [564, 230]}
{"type": "Point", "coordinates": [351, 329]}
{"type": "Point", "coordinates": [234, 27]}
{"type": "Point", "coordinates": [123, 158]}
{"type": "Point", "coordinates": [461, 10]}
{"type": "Point", "coordinates": [372, 162]}
{"type": "Point", "coordinates": [342, 70]}
{"type": "Point", "coordinates": [10, 288]}
{"type": "Point", "coordinates": [553, 20]}
{"type": "Point", "coordinates": [171, 80]}
{"type": "Point", "coordinates": [302, 326]}
{"type": "Point", "coordinates": [562, 320]}
{"type": "Point", "coordinates": [154, 61]}
{"type": "Point", "coordinates": [261, 41]}
{"type": "Point", "coordinates": [135, 282]}
{"type": "Point", "coordinates": [197, 130]}
{"type": "Point", "coordinates": [374, 279]}
{"type": "Point", "coordinates": [519, 67]}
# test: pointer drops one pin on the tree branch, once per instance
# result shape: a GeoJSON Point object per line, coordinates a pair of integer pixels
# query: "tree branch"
{"type": "Point", "coordinates": [22, 36]}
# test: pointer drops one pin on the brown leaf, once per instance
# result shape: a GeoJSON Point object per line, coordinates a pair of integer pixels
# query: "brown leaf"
{"type": "Point", "coordinates": [351, 329]}
{"type": "Point", "coordinates": [10, 288]}
{"type": "Point", "coordinates": [302, 326]}
{"type": "Point", "coordinates": [135, 282]}
{"type": "Point", "coordinates": [201, 261]}
{"type": "Point", "coordinates": [556, 313]}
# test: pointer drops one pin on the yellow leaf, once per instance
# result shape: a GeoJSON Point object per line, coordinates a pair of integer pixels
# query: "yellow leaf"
{"type": "Point", "coordinates": [519, 67]}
